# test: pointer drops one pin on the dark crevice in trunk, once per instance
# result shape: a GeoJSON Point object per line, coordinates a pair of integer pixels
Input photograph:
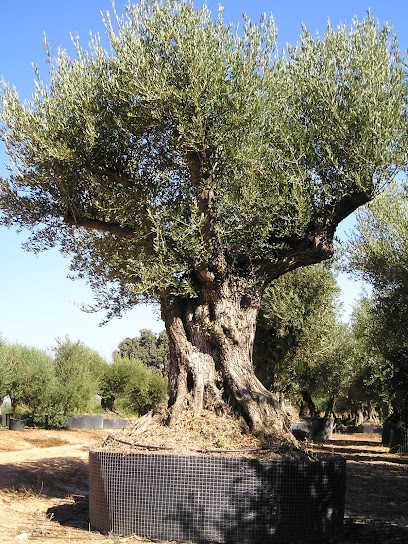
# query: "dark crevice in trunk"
{"type": "Point", "coordinates": [190, 382]}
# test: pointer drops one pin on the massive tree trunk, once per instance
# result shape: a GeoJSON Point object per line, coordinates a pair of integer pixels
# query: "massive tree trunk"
{"type": "Point", "coordinates": [211, 341]}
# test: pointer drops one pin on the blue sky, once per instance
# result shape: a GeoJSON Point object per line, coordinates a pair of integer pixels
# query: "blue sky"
{"type": "Point", "coordinates": [38, 303]}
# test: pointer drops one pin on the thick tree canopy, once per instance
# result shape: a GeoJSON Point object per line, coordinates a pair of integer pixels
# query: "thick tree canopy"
{"type": "Point", "coordinates": [190, 150]}
{"type": "Point", "coordinates": [192, 164]}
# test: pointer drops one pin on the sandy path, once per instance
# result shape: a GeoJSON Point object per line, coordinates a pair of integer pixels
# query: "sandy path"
{"type": "Point", "coordinates": [78, 451]}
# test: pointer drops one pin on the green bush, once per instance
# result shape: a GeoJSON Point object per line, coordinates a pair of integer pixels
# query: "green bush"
{"type": "Point", "coordinates": [30, 378]}
{"type": "Point", "coordinates": [133, 385]}
{"type": "Point", "coordinates": [79, 371]}
{"type": "Point", "coordinates": [46, 388]}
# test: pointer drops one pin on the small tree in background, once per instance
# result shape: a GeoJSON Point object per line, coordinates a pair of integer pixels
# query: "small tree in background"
{"type": "Point", "coordinates": [378, 253]}
{"type": "Point", "coordinates": [375, 387]}
{"type": "Point", "coordinates": [152, 349]}
{"type": "Point", "coordinates": [137, 386]}
{"type": "Point", "coordinates": [295, 330]}
{"type": "Point", "coordinates": [29, 378]}
{"type": "Point", "coordinates": [5, 374]}
{"type": "Point", "coordinates": [79, 371]}
{"type": "Point", "coordinates": [145, 389]}
{"type": "Point", "coordinates": [115, 380]}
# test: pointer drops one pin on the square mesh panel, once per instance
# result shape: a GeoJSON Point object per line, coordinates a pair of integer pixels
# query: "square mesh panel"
{"type": "Point", "coordinates": [215, 499]}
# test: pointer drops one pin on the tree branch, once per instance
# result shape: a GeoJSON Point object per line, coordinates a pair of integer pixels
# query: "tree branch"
{"type": "Point", "coordinates": [206, 200]}
{"type": "Point", "coordinates": [102, 226]}
{"type": "Point", "coordinates": [348, 204]}
{"type": "Point", "coordinates": [317, 245]}
{"type": "Point", "coordinates": [314, 247]}
{"type": "Point", "coordinates": [126, 182]}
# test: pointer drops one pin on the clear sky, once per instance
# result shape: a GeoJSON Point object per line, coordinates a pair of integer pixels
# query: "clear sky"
{"type": "Point", "coordinates": [38, 303]}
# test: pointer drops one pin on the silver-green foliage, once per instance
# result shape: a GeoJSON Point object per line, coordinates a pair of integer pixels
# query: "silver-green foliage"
{"type": "Point", "coordinates": [136, 386]}
{"type": "Point", "coordinates": [378, 252]}
{"type": "Point", "coordinates": [378, 248]}
{"type": "Point", "coordinates": [300, 344]}
{"type": "Point", "coordinates": [281, 141]}
{"type": "Point", "coordinates": [79, 370]}
{"type": "Point", "coordinates": [28, 378]}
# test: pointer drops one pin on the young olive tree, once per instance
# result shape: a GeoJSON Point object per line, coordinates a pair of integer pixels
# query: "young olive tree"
{"type": "Point", "coordinates": [297, 312]}
{"type": "Point", "coordinates": [79, 371]}
{"type": "Point", "coordinates": [29, 378]}
{"type": "Point", "coordinates": [192, 164]}
{"type": "Point", "coordinates": [136, 385]}
{"type": "Point", "coordinates": [301, 349]}
{"type": "Point", "coordinates": [5, 373]}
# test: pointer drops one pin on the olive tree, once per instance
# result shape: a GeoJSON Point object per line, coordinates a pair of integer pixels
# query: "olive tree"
{"type": "Point", "coordinates": [297, 313]}
{"type": "Point", "coordinates": [5, 373]}
{"type": "Point", "coordinates": [378, 253]}
{"type": "Point", "coordinates": [79, 371]}
{"type": "Point", "coordinates": [138, 386]}
{"type": "Point", "coordinates": [29, 378]}
{"type": "Point", "coordinates": [301, 349]}
{"type": "Point", "coordinates": [191, 164]}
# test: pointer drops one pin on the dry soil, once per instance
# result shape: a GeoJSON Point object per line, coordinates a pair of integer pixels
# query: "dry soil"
{"type": "Point", "coordinates": [44, 486]}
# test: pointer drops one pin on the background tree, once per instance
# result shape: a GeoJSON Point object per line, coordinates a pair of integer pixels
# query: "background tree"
{"type": "Point", "coordinates": [79, 371]}
{"type": "Point", "coordinates": [295, 312]}
{"type": "Point", "coordinates": [115, 380]}
{"type": "Point", "coordinates": [378, 252]}
{"type": "Point", "coordinates": [30, 379]}
{"type": "Point", "coordinates": [301, 349]}
{"type": "Point", "coordinates": [336, 369]}
{"type": "Point", "coordinates": [136, 385]}
{"type": "Point", "coordinates": [151, 349]}
{"type": "Point", "coordinates": [366, 396]}
{"type": "Point", "coordinates": [192, 165]}
{"type": "Point", "coordinates": [4, 374]}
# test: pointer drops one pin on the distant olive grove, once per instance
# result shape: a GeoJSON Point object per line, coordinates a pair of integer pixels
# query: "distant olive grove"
{"type": "Point", "coordinates": [73, 378]}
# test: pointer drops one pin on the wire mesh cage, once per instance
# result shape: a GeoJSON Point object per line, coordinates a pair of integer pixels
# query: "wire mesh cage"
{"type": "Point", "coordinates": [215, 499]}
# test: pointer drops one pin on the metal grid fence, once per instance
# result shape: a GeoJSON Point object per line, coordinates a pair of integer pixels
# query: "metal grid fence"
{"type": "Point", "coordinates": [215, 499]}
{"type": "Point", "coordinates": [404, 444]}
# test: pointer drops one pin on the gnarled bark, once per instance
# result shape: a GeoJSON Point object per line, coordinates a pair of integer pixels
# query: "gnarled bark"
{"type": "Point", "coordinates": [211, 340]}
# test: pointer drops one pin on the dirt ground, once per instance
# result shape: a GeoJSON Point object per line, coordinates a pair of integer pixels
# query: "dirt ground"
{"type": "Point", "coordinates": [44, 486]}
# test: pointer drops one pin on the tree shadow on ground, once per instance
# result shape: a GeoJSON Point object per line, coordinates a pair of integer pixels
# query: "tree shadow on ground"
{"type": "Point", "coordinates": [357, 531]}
{"type": "Point", "coordinates": [376, 490]}
{"type": "Point", "coordinates": [353, 443]}
{"type": "Point", "coordinates": [63, 478]}
{"type": "Point", "coordinates": [381, 459]}
{"type": "Point", "coordinates": [71, 513]}
{"type": "Point", "coordinates": [53, 477]}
